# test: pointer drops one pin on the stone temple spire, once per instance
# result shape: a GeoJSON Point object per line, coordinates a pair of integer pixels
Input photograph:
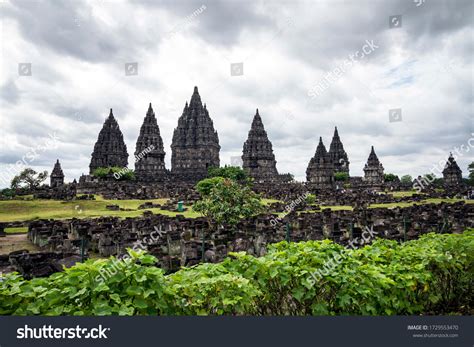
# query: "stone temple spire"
{"type": "Point", "coordinates": [452, 174]}
{"type": "Point", "coordinates": [149, 152]}
{"type": "Point", "coordinates": [258, 158]}
{"type": "Point", "coordinates": [320, 170]}
{"type": "Point", "coordinates": [373, 171]}
{"type": "Point", "coordinates": [57, 176]}
{"type": "Point", "coordinates": [110, 149]}
{"type": "Point", "coordinates": [337, 154]}
{"type": "Point", "coordinates": [195, 146]}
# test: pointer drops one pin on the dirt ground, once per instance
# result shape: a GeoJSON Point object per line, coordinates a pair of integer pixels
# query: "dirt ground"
{"type": "Point", "coordinates": [15, 242]}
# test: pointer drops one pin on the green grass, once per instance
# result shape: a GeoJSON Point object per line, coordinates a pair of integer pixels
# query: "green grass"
{"type": "Point", "coordinates": [22, 210]}
{"type": "Point", "coordinates": [269, 201]}
{"type": "Point", "coordinates": [423, 202]}
{"type": "Point", "coordinates": [403, 194]}
{"type": "Point", "coordinates": [16, 230]}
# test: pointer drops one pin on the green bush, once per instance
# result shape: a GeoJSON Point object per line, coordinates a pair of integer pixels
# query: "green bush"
{"type": "Point", "coordinates": [431, 275]}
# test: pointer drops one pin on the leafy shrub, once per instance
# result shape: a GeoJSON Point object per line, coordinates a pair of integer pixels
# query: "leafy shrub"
{"type": "Point", "coordinates": [232, 172]}
{"type": "Point", "coordinates": [431, 275]}
{"type": "Point", "coordinates": [341, 176]}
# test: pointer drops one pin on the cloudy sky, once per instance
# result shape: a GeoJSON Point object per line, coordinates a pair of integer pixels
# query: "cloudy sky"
{"type": "Point", "coordinates": [308, 66]}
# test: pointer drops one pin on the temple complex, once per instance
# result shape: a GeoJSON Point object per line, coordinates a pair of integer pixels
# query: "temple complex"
{"type": "Point", "coordinates": [452, 174]}
{"type": "Point", "coordinates": [373, 171]}
{"type": "Point", "coordinates": [338, 155]}
{"type": "Point", "coordinates": [195, 146]}
{"type": "Point", "coordinates": [57, 176]}
{"type": "Point", "coordinates": [258, 158]}
{"type": "Point", "coordinates": [320, 171]}
{"type": "Point", "coordinates": [110, 149]}
{"type": "Point", "coordinates": [149, 151]}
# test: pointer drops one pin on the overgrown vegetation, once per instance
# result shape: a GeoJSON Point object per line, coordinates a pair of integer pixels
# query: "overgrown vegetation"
{"type": "Point", "coordinates": [390, 177]}
{"type": "Point", "coordinates": [225, 201]}
{"type": "Point", "coordinates": [231, 172]}
{"type": "Point", "coordinates": [341, 176]}
{"type": "Point", "coordinates": [431, 275]}
{"type": "Point", "coordinates": [119, 173]}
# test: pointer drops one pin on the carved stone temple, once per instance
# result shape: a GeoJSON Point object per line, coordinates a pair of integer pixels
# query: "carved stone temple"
{"type": "Point", "coordinates": [149, 151]}
{"type": "Point", "coordinates": [195, 146]}
{"type": "Point", "coordinates": [320, 171]}
{"type": "Point", "coordinates": [110, 149]}
{"type": "Point", "coordinates": [57, 176]}
{"type": "Point", "coordinates": [258, 159]}
{"type": "Point", "coordinates": [373, 171]}
{"type": "Point", "coordinates": [452, 174]}
{"type": "Point", "coordinates": [338, 155]}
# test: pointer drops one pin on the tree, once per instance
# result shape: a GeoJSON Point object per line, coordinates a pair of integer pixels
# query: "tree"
{"type": "Point", "coordinates": [406, 179]}
{"type": "Point", "coordinates": [232, 172]}
{"type": "Point", "coordinates": [224, 201]}
{"type": "Point", "coordinates": [390, 177]}
{"type": "Point", "coordinates": [470, 168]}
{"type": "Point", "coordinates": [28, 178]}
{"type": "Point", "coordinates": [341, 176]}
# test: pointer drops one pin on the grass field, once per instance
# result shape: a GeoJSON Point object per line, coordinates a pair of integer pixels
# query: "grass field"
{"type": "Point", "coordinates": [25, 210]}
{"type": "Point", "coordinates": [16, 230]}
{"type": "Point", "coordinates": [22, 210]}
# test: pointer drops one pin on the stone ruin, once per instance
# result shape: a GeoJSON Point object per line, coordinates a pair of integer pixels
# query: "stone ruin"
{"type": "Point", "coordinates": [258, 158]}
{"type": "Point", "coordinates": [373, 171]}
{"type": "Point", "coordinates": [452, 174]}
{"type": "Point", "coordinates": [57, 176]}
{"type": "Point", "coordinates": [149, 152]}
{"type": "Point", "coordinates": [178, 241]}
{"type": "Point", "coordinates": [195, 146]}
{"type": "Point", "coordinates": [320, 171]}
{"type": "Point", "coordinates": [338, 155]}
{"type": "Point", "coordinates": [110, 149]}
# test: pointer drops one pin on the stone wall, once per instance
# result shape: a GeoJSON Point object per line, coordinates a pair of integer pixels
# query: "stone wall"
{"type": "Point", "coordinates": [177, 241]}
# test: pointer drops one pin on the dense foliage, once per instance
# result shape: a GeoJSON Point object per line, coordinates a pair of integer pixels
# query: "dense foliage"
{"type": "Point", "coordinates": [28, 178]}
{"type": "Point", "coordinates": [431, 275]}
{"type": "Point", "coordinates": [390, 177]}
{"type": "Point", "coordinates": [119, 173]}
{"type": "Point", "coordinates": [341, 176]}
{"type": "Point", "coordinates": [406, 179]}
{"type": "Point", "coordinates": [225, 201]}
{"type": "Point", "coordinates": [232, 172]}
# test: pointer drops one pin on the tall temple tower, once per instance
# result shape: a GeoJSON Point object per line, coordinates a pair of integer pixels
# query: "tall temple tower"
{"type": "Point", "coordinates": [195, 146]}
{"type": "Point", "coordinates": [373, 171]}
{"type": "Point", "coordinates": [320, 170]}
{"type": "Point", "coordinates": [110, 149]}
{"type": "Point", "coordinates": [338, 155]}
{"type": "Point", "coordinates": [452, 174]}
{"type": "Point", "coordinates": [149, 151]}
{"type": "Point", "coordinates": [57, 176]}
{"type": "Point", "coordinates": [258, 158]}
